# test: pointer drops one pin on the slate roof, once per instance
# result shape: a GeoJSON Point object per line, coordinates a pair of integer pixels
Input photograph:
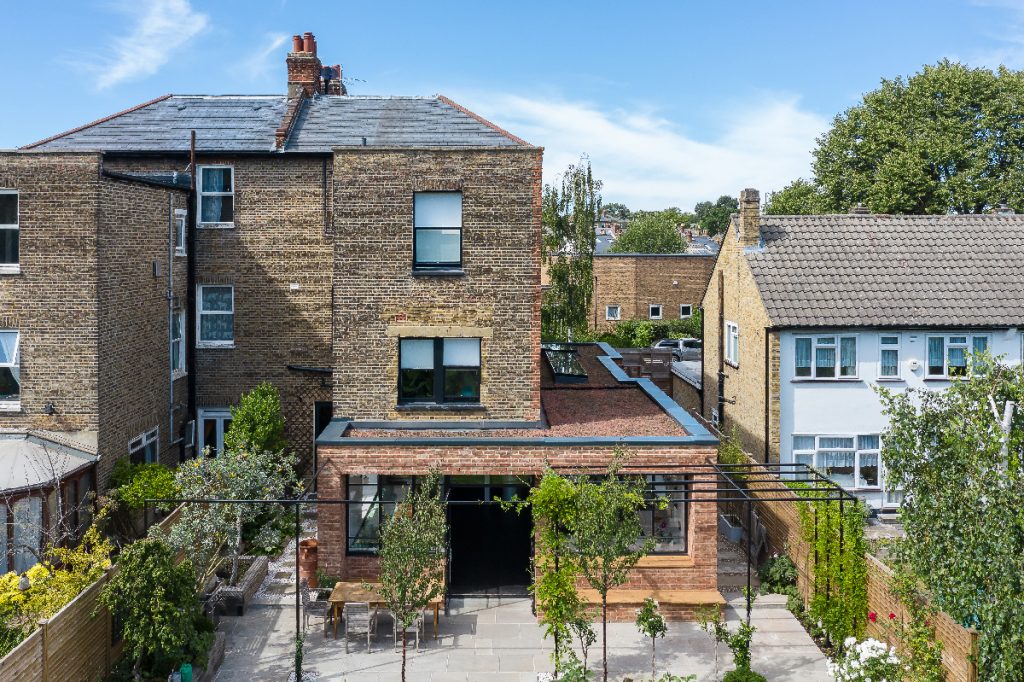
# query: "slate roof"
{"type": "Point", "coordinates": [246, 124]}
{"type": "Point", "coordinates": [886, 270]}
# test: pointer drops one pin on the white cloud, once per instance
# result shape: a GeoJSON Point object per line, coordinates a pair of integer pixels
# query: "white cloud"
{"type": "Point", "coordinates": [160, 27]}
{"type": "Point", "coordinates": [647, 162]}
{"type": "Point", "coordinates": [1005, 45]}
{"type": "Point", "coordinates": [257, 66]}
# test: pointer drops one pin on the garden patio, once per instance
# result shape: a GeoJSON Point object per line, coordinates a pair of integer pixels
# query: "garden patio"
{"type": "Point", "coordinates": [497, 640]}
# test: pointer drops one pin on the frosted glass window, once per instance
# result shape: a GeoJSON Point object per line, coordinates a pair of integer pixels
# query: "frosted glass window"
{"type": "Point", "coordinates": [462, 352]}
{"type": "Point", "coordinates": [438, 209]}
{"type": "Point", "coordinates": [437, 228]}
{"type": "Point", "coordinates": [803, 442]}
{"type": "Point", "coordinates": [217, 315]}
{"type": "Point", "coordinates": [417, 354]}
{"type": "Point", "coordinates": [803, 357]}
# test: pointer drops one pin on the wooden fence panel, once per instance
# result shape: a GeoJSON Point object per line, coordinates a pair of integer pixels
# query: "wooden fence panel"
{"type": "Point", "coordinates": [25, 661]}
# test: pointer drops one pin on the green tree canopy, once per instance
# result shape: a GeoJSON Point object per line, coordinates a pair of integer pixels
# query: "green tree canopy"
{"type": "Point", "coordinates": [949, 139]}
{"type": "Point", "coordinates": [650, 233]}
{"type": "Point", "coordinates": [567, 251]}
{"type": "Point", "coordinates": [616, 210]}
{"type": "Point", "coordinates": [714, 217]}
{"type": "Point", "coordinates": [257, 422]}
{"type": "Point", "coordinates": [960, 464]}
{"type": "Point", "coordinates": [800, 197]}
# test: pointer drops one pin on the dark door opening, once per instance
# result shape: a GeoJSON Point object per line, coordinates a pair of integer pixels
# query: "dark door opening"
{"type": "Point", "coordinates": [490, 547]}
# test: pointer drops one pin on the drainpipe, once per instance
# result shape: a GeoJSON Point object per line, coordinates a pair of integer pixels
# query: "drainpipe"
{"type": "Point", "coordinates": [721, 350]}
{"type": "Point", "coordinates": [767, 397]}
{"type": "Point", "coordinates": [191, 253]}
{"type": "Point", "coordinates": [171, 225]}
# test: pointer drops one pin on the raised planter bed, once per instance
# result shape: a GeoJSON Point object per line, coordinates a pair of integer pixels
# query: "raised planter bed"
{"type": "Point", "coordinates": [232, 600]}
{"type": "Point", "coordinates": [730, 527]}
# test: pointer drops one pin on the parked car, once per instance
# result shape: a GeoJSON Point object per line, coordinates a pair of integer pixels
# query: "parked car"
{"type": "Point", "coordinates": [682, 349]}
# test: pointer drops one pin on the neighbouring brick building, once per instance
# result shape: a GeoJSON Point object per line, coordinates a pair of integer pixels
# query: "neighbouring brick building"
{"type": "Point", "coordinates": [641, 286]}
{"type": "Point", "coordinates": [805, 316]}
{"type": "Point", "coordinates": [375, 258]}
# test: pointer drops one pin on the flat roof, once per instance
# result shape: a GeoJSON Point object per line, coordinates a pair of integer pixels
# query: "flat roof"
{"type": "Point", "coordinates": [606, 408]}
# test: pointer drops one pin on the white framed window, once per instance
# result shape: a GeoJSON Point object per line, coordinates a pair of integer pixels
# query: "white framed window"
{"type": "Point", "coordinates": [437, 230]}
{"type": "Point", "coordinates": [213, 424]}
{"type": "Point", "coordinates": [654, 311]}
{"type": "Point", "coordinates": [145, 447]}
{"type": "Point", "coordinates": [180, 223]}
{"type": "Point", "coordinates": [178, 343]}
{"type": "Point", "coordinates": [685, 311]}
{"type": "Point", "coordinates": [9, 232]}
{"type": "Point", "coordinates": [10, 370]}
{"type": "Point", "coordinates": [852, 461]}
{"type": "Point", "coordinates": [948, 354]}
{"type": "Point", "coordinates": [216, 319]}
{"type": "Point", "coordinates": [825, 357]}
{"type": "Point", "coordinates": [732, 343]}
{"type": "Point", "coordinates": [612, 312]}
{"type": "Point", "coordinates": [216, 196]}
{"type": "Point", "coordinates": [889, 356]}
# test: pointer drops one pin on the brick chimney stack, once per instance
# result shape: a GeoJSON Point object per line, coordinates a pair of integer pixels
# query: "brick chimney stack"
{"type": "Point", "coordinates": [304, 68]}
{"type": "Point", "coordinates": [750, 218]}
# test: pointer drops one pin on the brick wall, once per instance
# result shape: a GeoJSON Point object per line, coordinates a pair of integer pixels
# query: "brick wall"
{"type": "Point", "coordinates": [134, 232]}
{"type": "Point", "coordinates": [696, 571]}
{"type": "Point", "coordinates": [745, 382]}
{"type": "Point", "coordinates": [378, 299]}
{"type": "Point", "coordinates": [635, 282]}
{"type": "Point", "coordinates": [53, 301]}
{"type": "Point", "coordinates": [686, 394]}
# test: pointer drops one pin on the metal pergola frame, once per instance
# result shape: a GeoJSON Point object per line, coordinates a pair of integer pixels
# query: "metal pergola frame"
{"type": "Point", "coordinates": [730, 481]}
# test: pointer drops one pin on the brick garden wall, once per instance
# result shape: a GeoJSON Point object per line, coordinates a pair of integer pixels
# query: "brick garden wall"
{"type": "Point", "coordinates": [785, 534]}
{"type": "Point", "coordinates": [379, 299]}
{"type": "Point", "coordinates": [635, 282]}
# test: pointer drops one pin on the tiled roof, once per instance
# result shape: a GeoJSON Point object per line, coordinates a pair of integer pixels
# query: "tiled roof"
{"type": "Point", "coordinates": [885, 270]}
{"type": "Point", "coordinates": [242, 124]}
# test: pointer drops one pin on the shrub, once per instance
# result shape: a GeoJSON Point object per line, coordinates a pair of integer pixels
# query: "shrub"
{"type": "Point", "coordinates": [865, 661]}
{"type": "Point", "coordinates": [257, 422]}
{"type": "Point", "coordinates": [136, 483]}
{"type": "Point", "coordinates": [777, 574]}
{"type": "Point", "coordinates": [743, 675]}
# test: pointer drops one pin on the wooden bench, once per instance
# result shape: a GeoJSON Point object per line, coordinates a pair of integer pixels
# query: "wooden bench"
{"type": "Point", "coordinates": [673, 604]}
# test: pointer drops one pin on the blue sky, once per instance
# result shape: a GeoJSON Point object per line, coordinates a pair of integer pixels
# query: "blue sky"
{"type": "Point", "coordinates": [675, 102]}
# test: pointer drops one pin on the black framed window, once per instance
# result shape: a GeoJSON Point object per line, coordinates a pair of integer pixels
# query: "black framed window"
{"type": "Point", "coordinates": [437, 230]}
{"type": "Point", "coordinates": [439, 370]}
{"type": "Point", "coordinates": [8, 230]}
{"type": "Point", "coordinates": [374, 498]}
{"type": "Point", "coordinates": [668, 526]}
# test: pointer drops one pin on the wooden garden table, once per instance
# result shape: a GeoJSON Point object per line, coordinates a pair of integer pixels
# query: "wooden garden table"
{"type": "Point", "coordinates": [356, 592]}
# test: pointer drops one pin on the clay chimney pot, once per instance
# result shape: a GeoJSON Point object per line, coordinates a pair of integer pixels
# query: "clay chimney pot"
{"type": "Point", "coordinates": [308, 44]}
{"type": "Point", "coordinates": [296, 43]}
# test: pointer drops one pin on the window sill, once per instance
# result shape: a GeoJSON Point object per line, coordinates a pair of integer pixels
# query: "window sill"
{"type": "Point", "coordinates": [10, 406]}
{"type": "Point", "coordinates": [10, 269]}
{"type": "Point", "coordinates": [891, 380]}
{"type": "Point", "coordinates": [215, 226]}
{"type": "Point", "coordinates": [440, 272]}
{"type": "Point", "coordinates": [440, 407]}
{"type": "Point", "coordinates": [180, 254]}
{"type": "Point", "coordinates": [213, 346]}
{"type": "Point", "coordinates": [178, 374]}
{"type": "Point", "coordinates": [734, 365]}
{"type": "Point", "coordinates": [665, 561]}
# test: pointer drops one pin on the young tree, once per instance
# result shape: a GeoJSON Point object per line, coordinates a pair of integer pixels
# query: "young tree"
{"type": "Point", "coordinates": [567, 250]}
{"type": "Point", "coordinates": [205, 531]}
{"type": "Point", "coordinates": [156, 602]}
{"type": "Point", "coordinates": [945, 140]}
{"type": "Point", "coordinates": [958, 455]}
{"type": "Point", "coordinates": [607, 535]}
{"type": "Point", "coordinates": [257, 422]}
{"type": "Point", "coordinates": [714, 217]}
{"type": "Point", "coordinates": [413, 547]}
{"type": "Point", "coordinates": [650, 233]}
{"type": "Point", "coordinates": [651, 623]}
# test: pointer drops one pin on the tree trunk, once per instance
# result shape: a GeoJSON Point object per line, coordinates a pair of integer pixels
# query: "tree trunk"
{"type": "Point", "coordinates": [403, 652]}
{"type": "Point", "coordinates": [236, 550]}
{"type": "Point", "coordinates": [604, 634]}
{"type": "Point", "coordinates": [654, 673]}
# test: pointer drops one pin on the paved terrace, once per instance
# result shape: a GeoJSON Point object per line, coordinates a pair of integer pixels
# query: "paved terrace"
{"type": "Point", "coordinates": [497, 641]}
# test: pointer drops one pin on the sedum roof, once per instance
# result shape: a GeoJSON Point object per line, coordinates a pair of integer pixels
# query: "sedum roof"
{"type": "Point", "coordinates": [247, 124]}
{"type": "Point", "coordinates": [865, 270]}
